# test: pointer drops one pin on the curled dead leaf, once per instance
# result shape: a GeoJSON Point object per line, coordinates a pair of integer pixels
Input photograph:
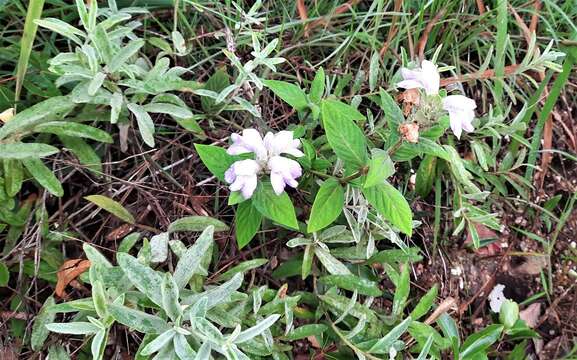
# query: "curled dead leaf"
{"type": "Point", "coordinates": [531, 315]}
{"type": "Point", "coordinates": [6, 115]}
{"type": "Point", "coordinates": [119, 232]}
{"type": "Point", "coordinates": [409, 98]}
{"type": "Point", "coordinates": [68, 272]}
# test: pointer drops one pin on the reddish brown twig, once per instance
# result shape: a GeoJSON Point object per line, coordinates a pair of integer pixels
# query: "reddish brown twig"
{"type": "Point", "coordinates": [392, 29]}
{"type": "Point", "coordinates": [481, 7]}
{"type": "Point", "coordinates": [482, 75]}
{"type": "Point", "coordinates": [303, 14]}
{"type": "Point", "coordinates": [423, 40]}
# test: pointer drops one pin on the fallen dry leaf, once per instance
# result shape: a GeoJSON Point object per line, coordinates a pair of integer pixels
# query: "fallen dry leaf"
{"type": "Point", "coordinates": [485, 234]}
{"type": "Point", "coordinates": [119, 232]}
{"type": "Point", "coordinates": [531, 315]}
{"type": "Point", "coordinates": [532, 266]}
{"type": "Point", "coordinates": [314, 342]}
{"type": "Point", "coordinates": [6, 115]}
{"type": "Point", "coordinates": [68, 272]}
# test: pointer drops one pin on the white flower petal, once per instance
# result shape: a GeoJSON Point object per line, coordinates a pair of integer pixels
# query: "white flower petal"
{"type": "Point", "coordinates": [431, 78]}
{"type": "Point", "coordinates": [455, 121]}
{"type": "Point", "coordinates": [497, 298]}
{"type": "Point", "coordinates": [249, 186]}
{"type": "Point", "coordinates": [277, 182]}
{"type": "Point", "coordinates": [410, 84]}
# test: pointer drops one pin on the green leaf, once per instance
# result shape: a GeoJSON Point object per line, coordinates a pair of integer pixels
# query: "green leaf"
{"type": "Point", "coordinates": [158, 343]}
{"type": "Point", "coordinates": [256, 330]}
{"type": "Point", "coordinates": [182, 348]}
{"type": "Point", "coordinates": [169, 109]}
{"type": "Point", "coordinates": [4, 274]}
{"type": "Point", "coordinates": [148, 281]}
{"type": "Point", "coordinates": [138, 320]}
{"type": "Point", "coordinates": [73, 328]}
{"type": "Point", "coordinates": [169, 291]}
{"type": "Point", "coordinates": [72, 129]}
{"type": "Point", "coordinates": [44, 176]}
{"type": "Point", "coordinates": [509, 313]}
{"type": "Point", "coordinates": [113, 207]}
{"type": "Point", "coordinates": [480, 341]}
{"type": "Point", "coordinates": [402, 291]}
{"type": "Point", "coordinates": [384, 344]}
{"type": "Point", "coordinates": [216, 82]}
{"type": "Point", "coordinates": [318, 86]}
{"type": "Point", "coordinates": [242, 268]}
{"type": "Point", "coordinates": [425, 303]}
{"type": "Point", "coordinates": [57, 352]}
{"type": "Point", "coordinates": [39, 330]}
{"type": "Point", "coordinates": [26, 150]}
{"type": "Point", "coordinates": [393, 112]}
{"type": "Point", "coordinates": [191, 261]}
{"type": "Point", "coordinates": [426, 175]}
{"type": "Point", "coordinates": [344, 136]}
{"type": "Point", "coordinates": [305, 331]}
{"type": "Point", "coordinates": [13, 176]}
{"type": "Point", "coordinates": [120, 58]}
{"type": "Point", "coordinates": [95, 257]}
{"type": "Point", "coordinates": [247, 223]}
{"type": "Point", "coordinates": [278, 208]}
{"type": "Point", "coordinates": [145, 123]}
{"type": "Point", "coordinates": [307, 261]}
{"type": "Point", "coordinates": [392, 205]}
{"type": "Point", "coordinates": [290, 93]}
{"type": "Point", "coordinates": [215, 158]}
{"type": "Point", "coordinates": [327, 206]}
{"type": "Point", "coordinates": [343, 303]}
{"type": "Point", "coordinates": [380, 168]}
{"type": "Point", "coordinates": [84, 152]}
{"type": "Point", "coordinates": [352, 283]}
{"type": "Point", "coordinates": [47, 110]}
{"type": "Point", "coordinates": [332, 264]}
{"type": "Point", "coordinates": [128, 242]}
{"type": "Point", "coordinates": [196, 224]}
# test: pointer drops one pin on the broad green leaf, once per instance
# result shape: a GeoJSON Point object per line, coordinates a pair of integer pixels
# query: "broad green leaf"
{"type": "Point", "coordinates": [128, 242]}
{"type": "Point", "coordinates": [384, 344]}
{"type": "Point", "coordinates": [120, 58]}
{"type": "Point", "coordinates": [352, 283]}
{"type": "Point", "coordinates": [425, 303]}
{"type": "Point", "coordinates": [342, 304]}
{"type": "Point", "coordinates": [159, 247]}
{"type": "Point", "coordinates": [169, 109]}
{"type": "Point", "coordinates": [191, 261]}
{"type": "Point", "coordinates": [44, 176]}
{"type": "Point", "coordinates": [480, 341]}
{"type": "Point", "coordinates": [403, 287]}
{"type": "Point", "coordinates": [95, 257]}
{"type": "Point", "coordinates": [374, 68]}
{"type": "Point", "coordinates": [158, 343]}
{"type": "Point", "coordinates": [290, 93]}
{"type": "Point", "coordinates": [327, 206]}
{"type": "Point", "coordinates": [73, 328]}
{"type": "Point", "coordinates": [256, 330]}
{"type": "Point", "coordinates": [332, 264]}
{"type": "Point", "coordinates": [305, 331]}
{"type": "Point", "coordinates": [138, 320]}
{"type": "Point", "coordinates": [393, 112]}
{"type": "Point", "coordinates": [112, 206]}
{"type": "Point", "coordinates": [380, 168]}
{"type": "Point", "coordinates": [13, 176]}
{"type": "Point", "coordinates": [96, 83]}
{"type": "Point", "coordinates": [39, 330]}
{"type": "Point", "coordinates": [392, 205]}
{"type": "Point", "coordinates": [215, 158]}
{"type": "Point", "coordinates": [26, 150]}
{"type": "Point", "coordinates": [396, 256]}
{"type": "Point", "coordinates": [57, 352]}
{"type": "Point", "coordinates": [216, 295]}
{"type": "Point", "coordinates": [216, 82]}
{"type": "Point", "coordinates": [307, 261]}
{"type": "Point", "coordinates": [426, 175]}
{"type": "Point", "coordinates": [318, 86]}
{"type": "Point", "coordinates": [278, 208]}
{"type": "Point", "coordinates": [344, 136]}
{"type": "Point", "coordinates": [84, 152]}
{"type": "Point", "coordinates": [4, 274]}
{"type": "Point", "coordinates": [170, 294]}
{"type": "Point", "coordinates": [62, 28]}
{"type": "Point", "coordinates": [196, 224]}
{"type": "Point", "coordinates": [421, 332]}
{"type": "Point", "coordinates": [182, 348]}
{"type": "Point", "coordinates": [242, 268]}
{"type": "Point", "coordinates": [142, 277]}
{"type": "Point", "coordinates": [145, 123]}
{"type": "Point", "coordinates": [98, 344]}
{"type": "Point", "coordinates": [73, 129]}
{"type": "Point", "coordinates": [54, 108]}
{"type": "Point", "coordinates": [247, 223]}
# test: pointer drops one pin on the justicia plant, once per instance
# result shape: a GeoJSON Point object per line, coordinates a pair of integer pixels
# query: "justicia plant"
{"type": "Point", "coordinates": [345, 156]}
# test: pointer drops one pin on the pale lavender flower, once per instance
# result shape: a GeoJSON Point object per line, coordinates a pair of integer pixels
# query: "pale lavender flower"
{"type": "Point", "coordinates": [461, 113]}
{"type": "Point", "coordinates": [282, 143]}
{"type": "Point", "coordinates": [283, 171]}
{"type": "Point", "coordinates": [243, 176]}
{"type": "Point", "coordinates": [250, 141]}
{"type": "Point", "coordinates": [426, 77]}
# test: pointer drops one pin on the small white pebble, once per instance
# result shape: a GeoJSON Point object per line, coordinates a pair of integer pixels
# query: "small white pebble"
{"type": "Point", "coordinates": [573, 244]}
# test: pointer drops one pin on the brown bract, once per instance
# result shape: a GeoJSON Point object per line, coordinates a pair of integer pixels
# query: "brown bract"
{"type": "Point", "coordinates": [68, 272]}
{"type": "Point", "coordinates": [410, 132]}
{"type": "Point", "coordinates": [409, 98]}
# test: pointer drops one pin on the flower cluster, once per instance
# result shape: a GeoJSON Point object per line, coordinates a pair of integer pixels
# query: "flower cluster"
{"type": "Point", "coordinates": [243, 174]}
{"type": "Point", "coordinates": [460, 108]}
